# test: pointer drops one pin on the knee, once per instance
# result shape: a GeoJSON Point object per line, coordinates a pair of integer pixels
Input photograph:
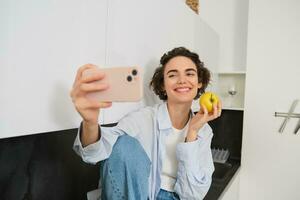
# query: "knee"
{"type": "Point", "coordinates": [128, 149]}
{"type": "Point", "coordinates": [127, 168]}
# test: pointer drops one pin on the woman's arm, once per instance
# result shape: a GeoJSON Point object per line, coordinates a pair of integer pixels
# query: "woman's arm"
{"type": "Point", "coordinates": [195, 163]}
{"type": "Point", "coordinates": [200, 119]}
{"type": "Point", "coordinates": [102, 148]}
{"type": "Point", "coordinates": [195, 166]}
{"type": "Point", "coordinates": [88, 109]}
{"type": "Point", "coordinates": [90, 133]}
{"type": "Point", "coordinates": [87, 143]}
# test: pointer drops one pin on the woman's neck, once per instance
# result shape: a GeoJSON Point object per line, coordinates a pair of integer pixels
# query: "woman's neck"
{"type": "Point", "coordinates": [179, 114]}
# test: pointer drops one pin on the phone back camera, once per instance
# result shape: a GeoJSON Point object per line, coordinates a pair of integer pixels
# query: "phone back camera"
{"type": "Point", "coordinates": [129, 78]}
{"type": "Point", "coordinates": [134, 72]}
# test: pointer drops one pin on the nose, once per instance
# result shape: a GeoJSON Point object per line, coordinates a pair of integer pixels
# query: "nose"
{"type": "Point", "coordinates": [181, 79]}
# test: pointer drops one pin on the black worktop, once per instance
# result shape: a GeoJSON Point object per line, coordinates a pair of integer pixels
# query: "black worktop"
{"type": "Point", "coordinates": [227, 135]}
{"type": "Point", "coordinates": [219, 184]}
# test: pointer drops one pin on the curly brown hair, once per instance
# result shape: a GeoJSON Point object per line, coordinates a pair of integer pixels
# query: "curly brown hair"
{"type": "Point", "coordinates": [157, 81]}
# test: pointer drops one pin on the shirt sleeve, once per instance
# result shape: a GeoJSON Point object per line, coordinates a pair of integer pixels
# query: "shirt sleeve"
{"type": "Point", "coordinates": [195, 166]}
{"type": "Point", "coordinates": [99, 150]}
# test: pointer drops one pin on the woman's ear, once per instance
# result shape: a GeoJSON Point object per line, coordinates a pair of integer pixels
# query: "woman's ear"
{"type": "Point", "coordinates": [199, 85]}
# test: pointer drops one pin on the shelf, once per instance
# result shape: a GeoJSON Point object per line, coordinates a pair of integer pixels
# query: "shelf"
{"type": "Point", "coordinates": [232, 73]}
{"type": "Point", "coordinates": [233, 108]}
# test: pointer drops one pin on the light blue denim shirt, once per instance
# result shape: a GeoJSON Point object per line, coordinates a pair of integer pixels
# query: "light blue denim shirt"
{"type": "Point", "coordinates": [150, 126]}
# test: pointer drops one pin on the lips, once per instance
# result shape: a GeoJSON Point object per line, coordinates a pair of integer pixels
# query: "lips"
{"type": "Point", "coordinates": [182, 89]}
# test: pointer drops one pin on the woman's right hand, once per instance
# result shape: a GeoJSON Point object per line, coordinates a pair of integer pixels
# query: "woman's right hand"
{"type": "Point", "coordinates": [87, 108]}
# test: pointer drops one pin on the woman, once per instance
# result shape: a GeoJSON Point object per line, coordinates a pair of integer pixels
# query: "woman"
{"type": "Point", "coordinates": [160, 152]}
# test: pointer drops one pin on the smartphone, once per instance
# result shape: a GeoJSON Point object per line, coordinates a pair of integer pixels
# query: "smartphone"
{"type": "Point", "coordinates": [125, 84]}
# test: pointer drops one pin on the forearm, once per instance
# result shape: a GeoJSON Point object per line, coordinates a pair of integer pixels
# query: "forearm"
{"type": "Point", "coordinates": [90, 133]}
{"type": "Point", "coordinates": [191, 136]}
{"type": "Point", "coordinates": [193, 130]}
{"type": "Point", "coordinates": [90, 147]}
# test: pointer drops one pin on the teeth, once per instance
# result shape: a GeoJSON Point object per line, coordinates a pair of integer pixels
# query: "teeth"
{"type": "Point", "coordinates": [182, 89]}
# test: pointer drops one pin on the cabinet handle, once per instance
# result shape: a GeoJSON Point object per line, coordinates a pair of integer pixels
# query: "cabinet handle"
{"type": "Point", "coordinates": [297, 127]}
{"type": "Point", "coordinates": [288, 116]}
{"type": "Point", "coordinates": [281, 114]}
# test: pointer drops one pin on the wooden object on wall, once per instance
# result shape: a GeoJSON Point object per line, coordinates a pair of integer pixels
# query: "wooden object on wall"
{"type": "Point", "coordinates": [193, 4]}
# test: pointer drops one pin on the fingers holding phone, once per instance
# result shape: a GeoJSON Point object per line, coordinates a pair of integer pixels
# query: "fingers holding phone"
{"type": "Point", "coordinates": [96, 88]}
{"type": "Point", "coordinates": [116, 84]}
{"type": "Point", "coordinates": [88, 79]}
{"type": "Point", "coordinates": [93, 80]}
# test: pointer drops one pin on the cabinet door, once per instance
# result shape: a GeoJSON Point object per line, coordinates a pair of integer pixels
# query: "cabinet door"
{"type": "Point", "coordinates": [139, 32]}
{"type": "Point", "coordinates": [270, 160]}
{"type": "Point", "coordinates": [42, 43]}
{"type": "Point", "coordinates": [231, 191]}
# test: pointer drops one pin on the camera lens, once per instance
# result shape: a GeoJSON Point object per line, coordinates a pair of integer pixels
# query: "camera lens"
{"type": "Point", "coordinates": [134, 72]}
{"type": "Point", "coordinates": [129, 78]}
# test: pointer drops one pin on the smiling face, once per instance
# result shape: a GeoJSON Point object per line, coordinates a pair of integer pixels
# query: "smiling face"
{"type": "Point", "coordinates": [181, 80]}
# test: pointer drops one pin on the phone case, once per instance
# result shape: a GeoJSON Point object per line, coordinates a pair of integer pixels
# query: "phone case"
{"type": "Point", "coordinates": [125, 85]}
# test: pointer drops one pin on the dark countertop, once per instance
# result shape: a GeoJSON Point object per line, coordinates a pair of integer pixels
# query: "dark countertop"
{"type": "Point", "coordinates": [221, 177]}
{"type": "Point", "coordinates": [227, 131]}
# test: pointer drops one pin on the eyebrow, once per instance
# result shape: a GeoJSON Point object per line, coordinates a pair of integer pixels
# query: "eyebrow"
{"type": "Point", "coordinates": [187, 70]}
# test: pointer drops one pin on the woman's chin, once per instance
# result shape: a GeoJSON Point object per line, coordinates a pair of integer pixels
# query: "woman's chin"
{"type": "Point", "coordinates": [181, 100]}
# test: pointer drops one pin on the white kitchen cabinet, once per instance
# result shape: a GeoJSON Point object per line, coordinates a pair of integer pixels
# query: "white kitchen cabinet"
{"type": "Point", "coordinates": [42, 44]}
{"type": "Point", "coordinates": [231, 192]}
{"type": "Point", "coordinates": [228, 20]}
{"type": "Point", "coordinates": [139, 32]}
{"type": "Point", "coordinates": [270, 160]}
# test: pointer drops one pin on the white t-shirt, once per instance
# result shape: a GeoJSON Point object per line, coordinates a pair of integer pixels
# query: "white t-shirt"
{"type": "Point", "coordinates": [170, 163]}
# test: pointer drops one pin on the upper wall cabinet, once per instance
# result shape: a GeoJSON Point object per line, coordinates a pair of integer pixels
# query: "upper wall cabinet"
{"type": "Point", "coordinates": [42, 43]}
{"type": "Point", "coordinates": [229, 19]}
{"type": "Point", "coordinates": [139, 33]}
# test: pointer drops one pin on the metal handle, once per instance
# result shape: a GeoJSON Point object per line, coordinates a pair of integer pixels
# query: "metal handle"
{"type": "Point", "coordinates": [292, 108]}
{"type": "Point", "coordinates": [281, 114]}
{"type": "Point", "coordinates": [289, 115]}
{"type": "Point", "coordinates": [293, 115]}
{"type": "Point", "coordinates": [297, 127]}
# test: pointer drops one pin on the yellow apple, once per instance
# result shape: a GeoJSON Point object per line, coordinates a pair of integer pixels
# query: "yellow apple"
{"type": "Point", "coordinates": [208, 99]}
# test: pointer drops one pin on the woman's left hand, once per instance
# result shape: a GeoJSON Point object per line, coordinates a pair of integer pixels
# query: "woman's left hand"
{"type": "Point", "coordinates": [201, 118]}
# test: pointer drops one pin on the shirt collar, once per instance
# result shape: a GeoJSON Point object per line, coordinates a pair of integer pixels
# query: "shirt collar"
{"type": "Point", "coordinates": [164, 121]}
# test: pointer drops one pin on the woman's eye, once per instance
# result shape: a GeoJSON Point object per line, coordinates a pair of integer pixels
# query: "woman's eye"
{"type": "Point", "coordinates": [191, 74]}
{"type": "Point", "coordinates": [171, 75]}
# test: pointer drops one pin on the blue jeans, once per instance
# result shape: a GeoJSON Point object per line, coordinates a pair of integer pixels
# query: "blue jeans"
{"type": "Point", "coordinates": [165, 195]}
{"type": "Point", "coordinates": [124, 175]}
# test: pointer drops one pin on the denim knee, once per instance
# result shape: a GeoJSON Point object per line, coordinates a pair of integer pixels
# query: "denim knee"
{"type": "Point", "coordinates": [125, 173]}
{"type": "Point", "coordinates": [128, 149]}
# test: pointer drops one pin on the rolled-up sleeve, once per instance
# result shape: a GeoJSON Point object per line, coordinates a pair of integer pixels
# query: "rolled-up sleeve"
{"type": "Point", "coordinates": [195, 166]}
{"type": "Point", "coordinates": [99, 150]}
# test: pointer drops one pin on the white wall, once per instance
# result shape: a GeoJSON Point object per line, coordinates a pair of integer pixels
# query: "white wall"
{"type": "Point", "coordinates": [270, 160]}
